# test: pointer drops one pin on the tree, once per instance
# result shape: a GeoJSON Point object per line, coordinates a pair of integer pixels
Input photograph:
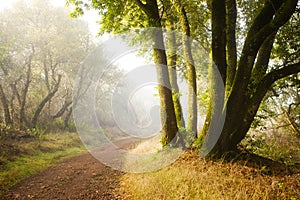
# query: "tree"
{"type": "Point", "coordinates": [115, 19]}
{"type": "Point", "coordinates": [43, 50]}
{"type": "Point", "coordinates": [190, 65]}
{"type": "Point", "coordinates": [241, 40]}
{"type": "Point", "coordinates": [248, 83]}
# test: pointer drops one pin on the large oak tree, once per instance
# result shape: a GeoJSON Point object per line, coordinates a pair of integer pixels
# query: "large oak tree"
{"type": "Point", "coordinates": [247, 77]}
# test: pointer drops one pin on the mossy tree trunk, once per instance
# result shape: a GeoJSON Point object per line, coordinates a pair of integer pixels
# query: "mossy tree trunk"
{"type": "Point", "coordinates": [172, 62]}
{"type": "Point", "coordinates": [168, 117]}
{"type": "Point", "coordinates": [248, 82]}
{"type": "Point", "coordinates": [191, 71]}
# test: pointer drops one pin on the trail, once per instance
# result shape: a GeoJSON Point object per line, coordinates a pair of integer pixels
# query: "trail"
{"type": "Point", "coordinates": [80, 177]}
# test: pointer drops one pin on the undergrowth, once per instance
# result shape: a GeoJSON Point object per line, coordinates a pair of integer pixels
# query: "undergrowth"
{"type": "Point", "coordinates": [20, 158]}
{"type": "Point", "coordinates": [194, 178]}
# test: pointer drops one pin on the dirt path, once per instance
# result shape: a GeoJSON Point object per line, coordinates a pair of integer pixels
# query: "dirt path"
{"type": "Point", "coordinates": [81, 177]}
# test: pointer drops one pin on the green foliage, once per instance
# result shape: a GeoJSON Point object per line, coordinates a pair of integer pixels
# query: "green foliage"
{"type": "Point", "coordinates": [280, 146]}
{"type": "Point", "coordinates": [116, 16]}
{"type": "Point", "coordinates": [21, 158]}
{"type": "Point", "coordinates": [13, 132]}
{"type": "Point", "coordinates": [286, 47]}
{"type": "Point", "coordinates": [40, 44]}
{"type": "Point", "coordinates": [198, 142]}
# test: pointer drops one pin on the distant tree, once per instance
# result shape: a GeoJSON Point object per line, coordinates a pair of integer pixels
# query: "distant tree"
{"type": "Point", "coordinates": [43, 51]}
{"type": "Point", "coordinates": [121, 16]}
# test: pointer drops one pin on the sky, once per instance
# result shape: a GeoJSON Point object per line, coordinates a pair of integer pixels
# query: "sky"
{"type": "Point", "coordinates": [90, 16]}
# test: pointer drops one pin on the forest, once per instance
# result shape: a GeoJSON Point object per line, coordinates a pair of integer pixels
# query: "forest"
{"type": "Point", "coordinates": [172, 99]}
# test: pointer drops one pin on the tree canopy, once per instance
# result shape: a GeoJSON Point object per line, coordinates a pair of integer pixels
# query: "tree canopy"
{"type": "Point", "coordinates": [253, 45]}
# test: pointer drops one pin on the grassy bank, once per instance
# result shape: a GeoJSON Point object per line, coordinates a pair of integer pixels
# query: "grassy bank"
{"type": "Point", "coordinates": [194, 178]}
{"type": "Point", "coordinates": [20, 158]}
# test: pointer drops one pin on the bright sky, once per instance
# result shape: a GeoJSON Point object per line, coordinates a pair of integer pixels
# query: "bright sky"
{"type": "Point", "coordinates": [90, 16]}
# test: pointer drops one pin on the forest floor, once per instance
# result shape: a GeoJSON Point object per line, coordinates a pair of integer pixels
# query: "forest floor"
{"type": "Point", "coordinates": [80, 177]}
{"type": "Point", "coordinates": [190, 177]}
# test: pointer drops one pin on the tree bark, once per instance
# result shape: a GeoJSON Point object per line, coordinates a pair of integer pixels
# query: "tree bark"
{"type": "Point", "coordinates": [4, 101]}
{"type": "Point", "coordinates": [172, 62]}
{"type": "Point", "coordinates": [191, 71]}
{"type": "Point", "coordinates": [219, 36]}
{"type": "Point", "coordinates": [63, 109]}
{"type": "Point", "coordinates": [217, 77]}
{"type": "Point", "coordinates": [231, 18]}
{"type": "Point", "coordinates": [169, 126]}
{"type": "Point", "coordinates": [44, 102]}
{"type": "Point", "coordinates": [67, 118]}
{"type": "Point", "coordinates": [243, 100]}
{"type": "Point", "coordinates": [25, 90]}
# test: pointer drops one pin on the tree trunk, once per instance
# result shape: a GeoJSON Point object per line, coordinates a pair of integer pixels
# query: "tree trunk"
{"type": "Point", "coordinates": [231, 18]}
{"type": "Point", "coordinates": [172, 61]}
{"type": "Point", "coordinates": [191, 71]}
{"type": "Point", "coordinates": [7, 116]}
{"type": "Point", "coordinates": [247, 89]}
{"type": "Point", "coordinates": [44, 102]}
{"type": "Point", "coordinates": [25, 91]}
{"type": "Point", "coordinates": [67, 118]}
{"type": "Point", "coordinates": [168, 117]}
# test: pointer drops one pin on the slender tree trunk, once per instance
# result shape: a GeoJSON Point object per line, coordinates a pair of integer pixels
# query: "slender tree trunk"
{"type": "Point", "coordinates": [169, 126]}
{"type": "Point", "coordinates": [172, 62]}
{"type": "Point", "coordinates": [191, 71]}
{"type": "Point", "coordinates": [7, 116]}
{"type": "Point", "coordinates": [25, 91]}
{"type": "Point", "coordinates": [67, 118]}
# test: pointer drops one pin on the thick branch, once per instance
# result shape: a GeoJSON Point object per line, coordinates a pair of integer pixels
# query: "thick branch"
{"type": "Point", "coordinates": [265, 85]}
{"type": "Point", "coordinates": [150, 8]}
{"type": "Point", "coordinates": [262, 62]}
{"type": "Point", "coordinates": [281, 73]}
{"type": "Point", "coordinates": [240, 92]}
{"type": "Point", "coordinates": [258, 96]}
{"type": "Point", "coordinates": [44, 101]}
{"type": "Point", "coordinates": [219, 36]}
{"type": "Point", "coordinates": [264, 25]}
{"type": "Point", "coordinates": [62, 110]}
{"type": "Point", "coordinates": [281, 17]}
{"type": "Point", "coordinates": [231, 42]}
{"type": "Point", "coordinates": [263, 57]}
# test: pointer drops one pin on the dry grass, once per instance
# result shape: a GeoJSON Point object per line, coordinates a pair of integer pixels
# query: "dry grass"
{"type": "Point", "coordinates": [151, 145]}
{"type": "Point", "coordinates": [191, 177]}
